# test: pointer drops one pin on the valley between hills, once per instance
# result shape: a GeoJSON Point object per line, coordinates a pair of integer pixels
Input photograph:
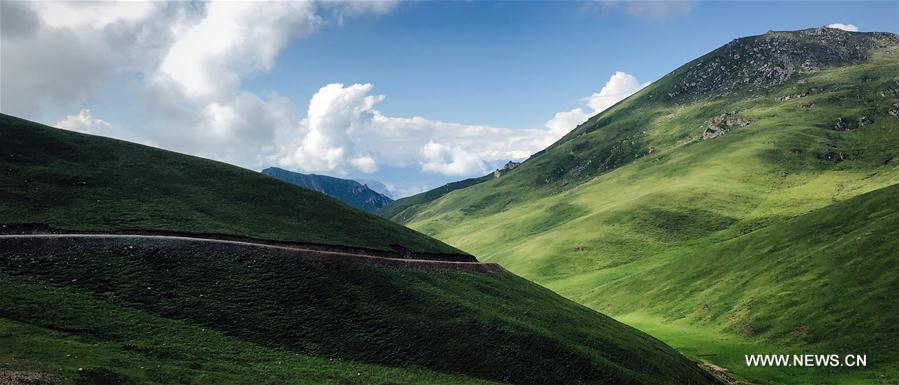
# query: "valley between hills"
{"type": "Point", "coordinates": [745, 203]}
{"type": "Point", "coordinates": [127, 264]}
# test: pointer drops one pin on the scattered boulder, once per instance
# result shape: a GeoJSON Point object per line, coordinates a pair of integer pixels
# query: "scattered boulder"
{"type": "Point", "coordinates": [864, 121]}
{"type": "Point", "coordinates": [894, 110]}
{"type": "Point", "coordinates": [723, 123]}
{"type": "Point", "coordinates": [802, 94]}
{"type": "Point", "coordinates": [509, 166]}
{"type": "Point", "coordinates": [835, 156]}
{"type": "Point", "coordinates": [841, 125]}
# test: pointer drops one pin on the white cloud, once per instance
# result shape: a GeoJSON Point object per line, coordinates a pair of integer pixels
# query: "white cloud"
{"type": "Point", "coordinates": [563, 122]}
{"type": "Point", "coordinates": [324, 142]}
{"type": "Point", "coordinates": [96, 14]}
{"type": "Point", "coordinates": [234, 39]}
{"type": "Point", "coordinates": [84, 122]}
{"type": "Point", "coordinates": [619, 86]}
{"type": "Point", "coordinates": [452, 161]}
{"type": "Point", "coordinates": [343, 130]}
{"type": "Point", "coordinates": [845, 27]}
{"type": "Point", "coordinates": [365, 164]}
{"type": "Point", "coordinates": [186, 63]}
{"type": "Point", "coordinates": [96, 41]}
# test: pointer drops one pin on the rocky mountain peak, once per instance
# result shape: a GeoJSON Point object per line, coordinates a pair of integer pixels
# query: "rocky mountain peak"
{"type": "Point", "coordinates": [759, 62]}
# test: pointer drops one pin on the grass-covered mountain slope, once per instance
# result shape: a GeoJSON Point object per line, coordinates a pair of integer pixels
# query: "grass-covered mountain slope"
{"type": "Point", "coordinates": [404, 208]}
{"type": "Point", "coordinates": [133, 309]}
{"type": "Point", "coordinates": [120, 310]}
{"type": "Point", "coordinates": [84, 182]}
{"type": "Point", "coordinates": [821, 282]}
{"type": "Point", "coordinates": [347, 191]}
{"type": "Point", "coordinates": [751, 136]}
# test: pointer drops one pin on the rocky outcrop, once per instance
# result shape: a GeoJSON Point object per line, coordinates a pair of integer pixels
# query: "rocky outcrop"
{"type": "Point", "coordinates": [508, 167]}
{"type": "Point", "coordinates": [841, 125]}
{"type": "Point", "coordinates": [894, 110]}
{"type": "Point", "coordinates": [864, 121]}
{"type": "Point", "coordinates": [723, 123]}
{"type": "Point", "coordinates": [761, 62]}
{"type": "Point", "coordinates": [891, 91]}
{"type": "Point", "coordinates": [800, 95]}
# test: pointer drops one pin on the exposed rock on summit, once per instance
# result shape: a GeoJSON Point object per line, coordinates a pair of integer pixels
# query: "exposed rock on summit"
{"type": "Point", "coordinates": [760, 62]}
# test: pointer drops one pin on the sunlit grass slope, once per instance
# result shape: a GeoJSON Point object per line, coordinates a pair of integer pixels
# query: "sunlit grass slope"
{"type": "Point", "coordinates": [636, 195]}
{"type": "Point", "coordinates": [84, 182]}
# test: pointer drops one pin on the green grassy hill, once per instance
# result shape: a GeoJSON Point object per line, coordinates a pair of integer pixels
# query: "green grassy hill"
{"type": "Point", "coordinates": [404, 207]}
{"type": "Point", "coordinates": [84, 182]}
{"type": "Point", "coordinates": [651, 185]}
{"type": "Point", "coordinates": [123, 311]}
{"type": "Point", "coordinates": [134, 308]}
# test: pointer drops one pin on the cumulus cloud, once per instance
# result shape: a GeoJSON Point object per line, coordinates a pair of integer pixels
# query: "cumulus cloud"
{"type": "Point", "coordinates": [96, 41]}
{"type": "Point", "coordinates": [95, 14]}
{"type": "Point", "coordinates": [451, 161]}
{"type": "Point", "coordinates": [234, 39]}
{"type": "Point", "coordinates": [845, 27]}
{"type": "Point", "coordinates": [619, 86]}
{"type": "Point", "coordinates": [344, 131]}
{"type": "Point", "coordinates": [84, 122]}
{"type": "Point", "coordinates": [563, 122]}
{"type": "Point", "coordinates": [324, 142]}
{"type": "Point", "coordinates": [365, 164]}
{"type": "Point", "coordinates": [184, 63]}
{"type": "Point", "coordinates": [18, 18]}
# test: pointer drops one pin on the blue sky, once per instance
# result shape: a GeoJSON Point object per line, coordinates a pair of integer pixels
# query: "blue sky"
{"type": "Point", "coordinates": [516, 64]}
{"type": "Point", "coordinates": [414, 94]}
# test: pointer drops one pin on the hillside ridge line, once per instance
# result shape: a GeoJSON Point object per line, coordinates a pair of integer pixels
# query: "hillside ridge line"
{"type": "Point", "coordinates": [424, 264]}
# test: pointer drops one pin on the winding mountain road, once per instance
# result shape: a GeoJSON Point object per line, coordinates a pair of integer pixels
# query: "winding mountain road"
{"type": "Point", "coordinates": [422, 264]}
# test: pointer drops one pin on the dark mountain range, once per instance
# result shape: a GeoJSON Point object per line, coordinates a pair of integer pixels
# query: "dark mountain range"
{"type": "Point", "coordinates": [348, 191]}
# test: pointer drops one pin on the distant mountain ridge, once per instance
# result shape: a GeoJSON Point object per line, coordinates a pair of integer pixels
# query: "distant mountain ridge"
{"type": "Point", "coordinates": [348, 191]}
{"type": "Point", "coordinates": [377, 187]}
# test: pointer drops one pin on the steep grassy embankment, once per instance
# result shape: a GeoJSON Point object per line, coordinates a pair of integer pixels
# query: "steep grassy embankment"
{"type": "Point", "coordinates": [85, 182]}
{"type": "Point", "coordinates": [493, 326]}
{"type": "Point", "coordinates": [637, 197]}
